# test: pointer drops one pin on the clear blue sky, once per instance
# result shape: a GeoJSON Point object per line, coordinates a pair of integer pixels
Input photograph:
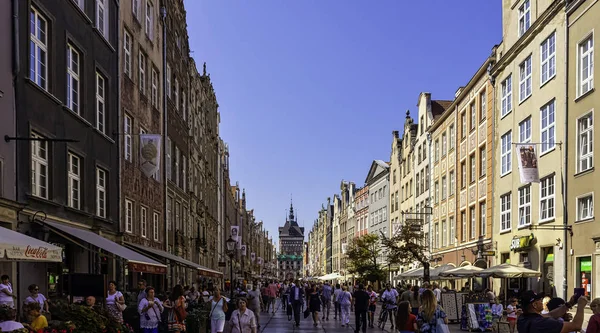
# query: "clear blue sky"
{"type": "Point", "coordinates": [311, 90]}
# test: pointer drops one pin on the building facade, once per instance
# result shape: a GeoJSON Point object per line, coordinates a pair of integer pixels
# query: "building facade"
{"type": "Point", "coordinates": [379, 188]}
{"type": "Point", "coordinates": [584, 262]}
{"type": "Point", "coordinates": [529, 79]}
{"type": "Point", "coordinates": [361, 211]}
{"type": "Point", "coordinates": [291, 247]}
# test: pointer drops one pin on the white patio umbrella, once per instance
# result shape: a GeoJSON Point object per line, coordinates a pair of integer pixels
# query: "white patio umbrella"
{"type": "Point", "coordinates": [508, 271]}
{"type": "Point", "coordinates": [412, 274]}
{"type": "Point", "coordinates": [461, 272]}
{"type": "Point", "coordinates": [434, 274]}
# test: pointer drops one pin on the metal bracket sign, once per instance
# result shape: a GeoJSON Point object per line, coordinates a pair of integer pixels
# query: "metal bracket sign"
{"type": "Point", "coordinates": [488, 253]}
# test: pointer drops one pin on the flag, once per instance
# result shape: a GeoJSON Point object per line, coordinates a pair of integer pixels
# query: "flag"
{"type": "Point", "coordinates": [235, 232]}
{"type": "Point", "coordinates": [150, 153]}
{"type": "Point", "coordinates": [528, 163]}
{"type": "Point", "coordinates": [244, 250]}
{"type": "Point", "coordinates": [252, 256]}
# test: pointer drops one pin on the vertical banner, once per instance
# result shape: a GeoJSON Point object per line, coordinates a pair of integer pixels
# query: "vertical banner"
{"type": "Point", "coordinates": [239, 243]}
{"type": "Point", "coordinates": [150, 153]}
{"type": "Point", "coordinates": [528, 163]}
{"type": "Point", "coordinates": [344, 247]}
{"type": "Point", "coordinates": [252, 256]}
{"type": "Point", "coordinates": [244, 250]}
{"type": "Point", "coordinates": [259, 261]}
{"type": "Point", "coordinates": [235, 232]}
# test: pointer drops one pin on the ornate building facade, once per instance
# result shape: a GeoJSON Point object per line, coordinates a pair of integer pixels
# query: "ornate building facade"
{"type": "Point", "coordinates": [291, 240]}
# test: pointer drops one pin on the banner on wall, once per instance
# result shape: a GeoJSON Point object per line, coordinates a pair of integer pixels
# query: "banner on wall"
{"type": "Point", "coordinates": [259, 261]}
{"type": "Point", "coordinates": [244, 250]}
{"type": "Point", "coordinates": [239, 242]}
{"type": "Point", "coordinates": [528, 163]}
{"type": "Point", "coordinates": [235, 232]}
{"type": "Point", "coordinates": [150, 153]}
{"type": "Point", "coordinates": [344, 247]}
{"type": "Point", "coordinates": [252, 256]}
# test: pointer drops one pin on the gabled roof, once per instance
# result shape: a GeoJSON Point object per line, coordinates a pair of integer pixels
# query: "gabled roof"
{"type": "Point", "coordinates": [438, 107]}
{"type": "Point", "coordinates": [374, 165]}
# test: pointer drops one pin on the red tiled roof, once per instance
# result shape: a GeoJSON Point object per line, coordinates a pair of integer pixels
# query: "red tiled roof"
{"type": "Point", "coordinates": [438, 107]}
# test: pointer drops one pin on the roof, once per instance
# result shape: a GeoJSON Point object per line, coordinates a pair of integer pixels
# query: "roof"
{"type": "Point", "coordinates": [438, 107]}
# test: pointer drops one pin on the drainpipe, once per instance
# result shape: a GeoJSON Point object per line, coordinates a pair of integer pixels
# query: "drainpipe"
{"type": "Point", "coordinates": [163, 16]}
{"type": "Point", "coordinates": [122, 263]}
{"type": "Point", "coordinates": [16, 71]}
{"type": "Point", "coordinates": [566, 157]}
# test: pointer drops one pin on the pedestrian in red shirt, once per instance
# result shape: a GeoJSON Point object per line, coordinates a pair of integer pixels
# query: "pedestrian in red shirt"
{"type": "Point", "coordinates": [594, 323]}
{"type": "Point", "coordinates": [405, 321]}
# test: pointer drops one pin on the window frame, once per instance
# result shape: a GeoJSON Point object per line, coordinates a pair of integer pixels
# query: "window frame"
{"type": "Point", "coordinates": [523, 205]}
{"type": "Point", "coordinates": [38, 75]}
{"type": "Point", "coordinates": [589, 55]}
{"type": "Point", "coordinates": [154, 88]}
{"type": "Point", "coordinates": [142, 69]}
{"type": "Point", "coordinates": [73, 181]}
{"type": "Point", "coordinates": [544, 199]}
{"type": "Point", "coordinates": [100, 103]}
{"type": "Point", "coordinates": [149, 22]}
{"type": "Point", "coordinates": [546, 46]}
{"type": "Point", "coordinates": [525, 129]}
{"type": "Point", "coordinates": [127, 138]}
{"type": "Point", "coordinates": [506, 153]}
{"type": "Point", "coordinates": [473, 221]}
{"type": "Point", "coordinates": [128, 216]}
{"type": "Point", "coordinates": [472, 168]}
{"type": "Point", "coordinates": [525, 79]}
{"type": "Point", "coordinates": [506, 105]}
{"type": "Point", "coordinates": [589, 133]}
{"type": "Point", "coordinates": [127, 48]}
{"type": "Point", "coordinates": [73, 90]}
{"type": "Point", "coordinates": [549, 128]}
{"type": "Point", "coordinates": [143, 221]}
{"type": "Point", "coordinates": [102, 5]}
{"type": "Point", "coordinates": [482, 218]}
{"type": "Point", "coordinates": [506, 212]}
{"type": "Point", "coordinates": [37, 162]}
{"type": "Point", "coordinates": [101, 174]}
{"type": "Point", "coordinates": [155, 226]}
{"type": "Point", "coordinates": [452, 136]}
{"type": "Point", "coordinates": [525, 16]}
{"type": "Point", "coordinates": [578, 199]}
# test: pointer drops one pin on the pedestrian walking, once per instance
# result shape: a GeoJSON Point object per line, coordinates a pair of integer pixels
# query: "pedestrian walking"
{"type": "Point", "coordinates": [406, 321]}
{"type": "Point", "coordinates": [430, 313]}
{"type": "Point", "coordinates": [242, 319]}
{"type": "Point", "coordinates": [254, 301]}
{"type": "Point", "coordinates": [361, 301]}
{"type": "Point", "coordinates": [115, 303]}
{"type": "Point", "coordinates": [149, 309]}
{"type": "Point", "coordinates": [218, 307]}
{"type": "Point", "coordinates": [176, 313]}
{"type": "Point", "coordinates": [326, 293]}
{"type": "Point", "coordinates": [314, 305]}
{"type": "Point", "coordinates": [7, 296]}
{"type": "Point", "coordinates": [372, 305]}
{"type": "Point", "coordinates": [345, 300]}
{"type": "Point", "coordinates": [297, 299]}
{"type": "Point", "coordinates": [389, 298]}
{"type": "Point", "coordinates": [337, 310]}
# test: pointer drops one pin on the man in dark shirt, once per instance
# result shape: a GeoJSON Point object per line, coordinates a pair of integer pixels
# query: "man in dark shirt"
{"type": "Point", "coordinates": [531, 321]}
{"type": "Point", "coordinates": [296, 298]}
{"type": "Point", "coordinates": [361, 305]}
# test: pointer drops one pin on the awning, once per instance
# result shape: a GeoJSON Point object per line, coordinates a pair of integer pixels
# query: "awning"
{"type": "Point", "coordinates": [17, 246]}
{"type": "Point", "coordinates": [136, 261]}
{"type": "Point", "coordinates": [204, 271]}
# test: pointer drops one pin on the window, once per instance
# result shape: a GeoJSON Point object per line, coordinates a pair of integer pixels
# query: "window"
{"type": "Point", "coordinates": [585, 147]}
{"type": "Point", "coordinates": [144, 221]}
{"type": "Point", "coordinates": [127, 53]}
{"type": "Point", "coordinates": [437, 192]}
{"type": "Point", "coordinates": [154, 88]}
{"type": "Point", "coordinates": [452, 230]}
{"type": "Point", "coordinates": [100, 192]}
{"type": "Point", "coordinates": [38, 52]}
{"type": "Point", "coordinates": [102, 17]}
{"type": "Point", "coordinates": [142, 65]}
{"type": "Point", "coordinates": [100, 106]}
{"type": "Point", "coordinates": [525, 206]}
{"type": "Point", "coordinates": [72, 79]}
{"type": "Point", "coordinates": [168, 77]}
{"type": "Point", "coordinates": [482, 221]}
{"type": "Point", "coordinates": [547, 192]}
{"type": "Point", "coordinates": [169, 213]}
{"type": "Point", "coordinates": [524, 17]}
{"type": "Point", "coordinates": [79, 3]}
{"type": "Point", "coordinates": [127, 124]}
{"type": "Point", "coordinates": [128, 216]}
{"type": "Point", "coordinates": [184, 173]}
{"type": "Point", "coordinates": [586, 65]}
{"type": "Point", "coordinates": [482, 105]}
{"type": "Point", "coordinates": [436, 241]}
{"type": "Point", "coordinates": [463, 219]}
{"type": "Point", "coordinates": [155, 227]}
{"type": "Point", "coordinates": [506, 103]}
{"type": "Point", "coordinates": [505, 212]}
{"type": "Point", "coordinates": [444, 188]}
{"type": "Point", "coordinates": [452, 136]}
{"type": "Point", "coordinates": [177, 180]}
{"type": "Point", "coordinates": [473, 115]}
{"type": "Point", "coordinates": [452, 182]}
{"type": "Point", "coordinates": [463, 125]}
{"type": "Point", "coordinates": [548, 58]}
{"type": "Point", "coordinates": [183, 105]}
{"type": "Point", "coordinates": [437, 150]}
{"type": "Point", "coordinates": [525, 79]}
{"type": "Point", "coordinates": [473, 168]}
{"type": "Point", "coordinates": [525, 130]}
{"type": "Point", "coordinates": [135, 7]}
{"type": "Point", "coordinates": [444, 144]}
{"type": "Point", "coordinates": [482, 162]}
{"type": "Point", "coordinates": [418, 184]}
{"type": "Point", "coordinates": [149, 20]}
{"type": "Point", "coordinates": [548, 127]}
{"type": "Point", "coordinates": [169, 161]}
{"type": "Point", "coordinates": [176, 93]}
{"type": "Point", "coordinates": [585, 207]}
{"type": "Point", "coordinates": [39, 167]}
{"type": "Point", "coordinates": [473, 224]}
{"type": "Point", "coordinates": [506, 153]}
{"type": "Point", "coordinates": [74, 179]}
{"type": "Point", "coordinates": [463, 179]}
{"type": "Point", "coordinates": [426, 176]}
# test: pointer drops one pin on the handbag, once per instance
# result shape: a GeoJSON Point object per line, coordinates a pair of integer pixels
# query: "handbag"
{"type": "Point", "coordinates": [441, 326]}
{"type": "Point", "coordinates": [120, 306]}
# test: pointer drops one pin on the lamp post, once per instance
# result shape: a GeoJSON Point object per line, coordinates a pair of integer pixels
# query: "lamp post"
{"type": "Point", "coordinates": [231, 243]}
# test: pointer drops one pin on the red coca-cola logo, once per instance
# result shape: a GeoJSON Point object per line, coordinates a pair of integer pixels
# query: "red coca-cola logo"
{"type": "Point", "coordinates": [36, 252]}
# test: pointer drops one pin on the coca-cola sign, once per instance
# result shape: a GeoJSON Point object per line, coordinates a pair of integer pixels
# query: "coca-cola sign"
{"type": "Point", "coordinates": [32, 252]}
{"type": "Point", "coordinates": [39, 252]}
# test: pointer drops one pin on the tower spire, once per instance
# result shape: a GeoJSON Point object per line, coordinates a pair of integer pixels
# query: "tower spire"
{"type": "Point", "coordinates": [291, 210]}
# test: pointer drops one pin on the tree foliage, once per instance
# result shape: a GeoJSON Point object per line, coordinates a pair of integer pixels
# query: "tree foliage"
{"type": "Point", "coordinates": [362, 255]}
{"type": "Point", "coordinates": [406, 245]}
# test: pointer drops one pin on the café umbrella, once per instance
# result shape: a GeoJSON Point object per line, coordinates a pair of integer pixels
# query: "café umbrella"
{"type": "Point", "coordinates": [15, 246]}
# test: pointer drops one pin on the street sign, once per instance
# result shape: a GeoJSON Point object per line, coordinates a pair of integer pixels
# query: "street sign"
{"type": "Point", "coordinates": [222, 264]}
{"type": "Point", "coordinates": [488, 253]}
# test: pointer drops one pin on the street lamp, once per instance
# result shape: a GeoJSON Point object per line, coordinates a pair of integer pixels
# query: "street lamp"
{"type": "Point", "coordinates": [231, 243]}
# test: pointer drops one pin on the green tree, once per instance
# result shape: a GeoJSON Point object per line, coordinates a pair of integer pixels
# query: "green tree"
{"type": "Point", "coordinates": [362, 255]}
{"type": "Point", "coordinates": [406, 246]}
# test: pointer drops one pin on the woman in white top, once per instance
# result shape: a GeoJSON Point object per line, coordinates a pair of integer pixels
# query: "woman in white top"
{"type": "Point", "coordinates": [114, 300]}
{"type": "Point", "coordinates": [37, 297]}
{"type": "Point", "coordinates": [7, 319]}
{"type": "Point", "coordinates": [150, 309]}
{"type": "Point", "coordinates": [6, 292]}
{"type": "Point", "coordinates": [345, 299]}
{"type": "Point", "coordinates": [242, 320]}
{"type": "Point", "coordinates": [218, 306]}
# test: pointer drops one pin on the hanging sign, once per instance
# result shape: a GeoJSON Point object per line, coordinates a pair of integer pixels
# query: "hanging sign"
{"type": "Point", "coordinates": [244, 250]}
{"type": "Point", "coordinates": [150, 153]}
{"type": "Point", "coordinates": [528, 163]}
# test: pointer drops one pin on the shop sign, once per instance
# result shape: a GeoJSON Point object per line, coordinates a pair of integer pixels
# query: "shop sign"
{"type": "Point", "coordinates": [34, 253]}
{"type": "Point", "coordinates": [585, 265]}
{"type": "Point", "coordinates": [145, 268]}
{"type": "Point", "coordinates": [521, 243]}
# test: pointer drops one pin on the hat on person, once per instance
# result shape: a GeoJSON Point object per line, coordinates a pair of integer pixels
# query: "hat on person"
{"type": "Point", "coordinates": [555, 303]}
{"type": "Point", "coordinates": [529, 297]}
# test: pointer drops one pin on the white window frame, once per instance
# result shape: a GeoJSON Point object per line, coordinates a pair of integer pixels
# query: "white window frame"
{"type": "Point", "coordinates": [74, 181]}
{"type": "Point", "coordinates": [525, 206]}
{"type": "Point", "coordinates": [143, 221]}
{"type": "Point", "coordinates": [184, 173]}
{"type": "Point", "coordinates": [73, 67]}
{"type": "Point", "coordinates": [585, 136]}
{"type": "Point", "coordinates": [183, 104]}
{"type": "Point", "coordinates": [127, 53]}
{"type": "Point", "coordinates": [506, 101]}
{"type": "Point", "coordinates": [128, 216]}
{"type": "Point", "coordinates": [101, 180]}
{"type": "Point", "coordinates": [149, 20]}
{"type": "Point", "coordinates": [39, 167]}
{"type": "Point", "coordinates": [38, 56]}
{"type": "Point", "coordinates": [452, 230]}
{"type": "Point", "coordinates": [482, 105]}
{"type": "Point", "coordinates": [548, 129]}
{"type": "Point", "coordinates": [136, 8]}
{"type": "Point", "coordinates": [142, 70]}
{"type": "Point", "coordinates": [505, 212]}
{"type": "Point", "coordinates": [524, 17]}
{"type": "Point", "coordinates": [102, 13]}
{"type": "Point", "coordinates": [473, 111]}
{"type": "Point", "coordinates": [482, 219]}
{"type": "Point", "coordinates": [472, 169]}
{"type": "Point", "coordinates": [525, 77]}
{"type": "Point", "coordinates": [585, 65]}
{"type": "Point", "coordinates": [176, 92]}
{"type": "Point", "coordinates": [506, 153]}
{"type": "Point", "coordinates": [585, 198]}
{"type": "Point", "coordinates": [548, 59]}
{"type": "Point", "coordinates": [177, 156]}
{"type": "Point", "coordinates": [155, 226]}
{"type": "Point", "coordinates": [169, 160]}
{"type": "Point", "coordinates": [473, 213]}
{"type": "Point", "coordinates": [154, 94]}
{"type": "Point", "coordinates": [127, 137]}
{"type": "Point", "coordinates": [452, 177]}
{"type": "Point", "coordinates": [547, 199]}
{"type": "Point", "coordinates": [452, 136]}
{"type": "Point", "coordinates": [482, 161]}
{"type": "Point", "coordinates": [525, 130]}
{"type": "Point", "coordinates": [444, 188]}
{"type": "Point", "coordinates": [444, 144]}
{"type": "Point", "coordinates": [100, 103]}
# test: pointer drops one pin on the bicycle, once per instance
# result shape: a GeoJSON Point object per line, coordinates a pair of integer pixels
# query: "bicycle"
{"type": "Point", "coordinates": [385, 312]}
